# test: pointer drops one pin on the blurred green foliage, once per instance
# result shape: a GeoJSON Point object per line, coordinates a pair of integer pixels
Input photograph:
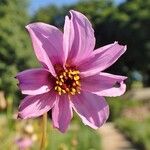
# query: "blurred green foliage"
{"type": "Point", "coordinates": [76, 138]}
{"type": "Point", "coordinates": [15, 49]}
{"type": "Point", "coordinates": [117, 105]}
{"type": "Point", "coordinates": [137, 131]}
{"type": "Point", "coordinates": [132, 123]}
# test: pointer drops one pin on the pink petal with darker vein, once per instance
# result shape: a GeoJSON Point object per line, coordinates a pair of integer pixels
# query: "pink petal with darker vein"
{"type": "Point", "coordinates": [92, 109]}
{"type": "Point", "coordinates": [104, 84]}
{"type": "Point", "coordinates": [104, 58]}
{"type": "Point", "coordinates": [62, 113]}
{"type": "Point", "coordinates": [34, 81]}
{"type": "Point", "coordinates": [47, 42]}
{"type": "Point", "coordinates": [35, 106]}
{"type": "Point", "coordinates": [79, 40]}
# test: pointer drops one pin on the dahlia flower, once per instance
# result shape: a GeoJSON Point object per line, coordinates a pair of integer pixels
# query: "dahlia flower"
{"type": "Point", "coordinates": [71, 77]}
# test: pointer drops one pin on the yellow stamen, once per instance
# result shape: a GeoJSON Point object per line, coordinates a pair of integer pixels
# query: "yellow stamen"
{"type": "Point", "coordinates": [64, 73]}
{"type": "Point", "coordinates": [67, 89]}
{"type": "Point", "coordinates": [76, 77]}
{"type": "Point", "coordinates": [77, 72]}
{"type": "Point", "coordinates": [56, 88]}
{"type": "Point", "coordinates": [70, 76]}
{"type": "Point", "coordinates": [62, 80]}
{"type": "Point", "coordinates": [74, 84]}
{"type": "Point", "coordinates": [78, 83]}
{"type": "Point", "coordinates": [59, 89]}
{"type": "Point", "coordinates": [60, 83]}
{"type": "Point", "coordinates": [61, 76]}
{"type": "Point", "coordinates": [73, 90]}
{"type": "Point", "coordinates": [64, 91]}
{"type": "Point", "coordinates": [68, 82]}
{"type": "Point", "coordinates": [72, 93]}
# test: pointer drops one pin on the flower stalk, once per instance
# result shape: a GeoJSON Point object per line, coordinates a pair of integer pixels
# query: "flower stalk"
{"type": "Point", "coordinates": [44, 128]}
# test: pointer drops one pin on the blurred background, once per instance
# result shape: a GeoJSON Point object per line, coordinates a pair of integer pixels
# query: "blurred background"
{"type": "Point", "coordinates": [126, 21]}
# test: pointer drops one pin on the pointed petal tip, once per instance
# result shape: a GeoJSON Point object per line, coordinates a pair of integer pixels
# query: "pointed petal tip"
{"type": "Point", "coordinates": [90, 125]}
{"type": "Point", "coordinates": [62, 130]}
{"type": "Point", "coordinates": [30, 25]}
{"type": "Point", "coordinates": [27, 27]}
{"type": "Point", "coordinates": [75, 13]}
{"type": "Point", "coordinates": [22, 117]}
{"type": "Point", "coordinates": [72, 11]}
{"type": "Point", "coordinates": [19, 116]}
{"type": "Point", "coordinates": [125, 47]}
{"type": "Point", "coordinates": [125, 77]}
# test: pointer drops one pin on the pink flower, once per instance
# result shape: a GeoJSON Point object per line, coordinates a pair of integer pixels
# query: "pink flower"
{"type": "Point", "coordinates": [71, 77]}
{"type": "Point", "coordinates": [24, 143]}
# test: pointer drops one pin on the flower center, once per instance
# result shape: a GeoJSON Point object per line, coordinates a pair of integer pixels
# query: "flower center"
{"type": "Point", "coordinates": [68, 82]}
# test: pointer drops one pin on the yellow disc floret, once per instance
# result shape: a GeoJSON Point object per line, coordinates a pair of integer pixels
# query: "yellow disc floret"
{"type": "Point", "coordinates": [68, 82]}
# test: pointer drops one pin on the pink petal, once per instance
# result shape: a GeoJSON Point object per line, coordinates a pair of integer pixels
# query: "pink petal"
{"type": "Point", "coordinates": [35, 106]}
{"type": "Point", "coordinates": [104, 84]}
{"type": "Point", "coordinates": [47, 42]}
{"type": "Point", "coordinates": [92, 109]}
{"type": "Point", "coordinates": [62, 113]}
{"type": "Point", "coordinates": [104, 58]}
{"type": "Point", "coordinates": [34, 81]}
{"type": "Point", "coordinates": [67, 37]}
{"type": "Point", "coordinates": [79, 37]}
{"type": "Point", "coordinates": [24, 143]}
{"type": "Point", "coordinates": [104, 48]}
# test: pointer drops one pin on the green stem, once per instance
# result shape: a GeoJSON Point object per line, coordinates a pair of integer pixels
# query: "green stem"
{"type": "Point", "coordinates": [44, 128]}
